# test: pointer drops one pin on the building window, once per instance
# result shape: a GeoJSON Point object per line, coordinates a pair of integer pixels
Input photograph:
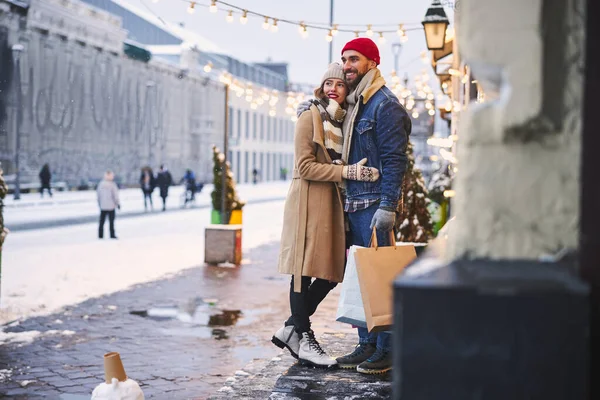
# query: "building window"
{"type": "Point", "coordinates": [239, 124]}
{"type": "Point", "coordinates": [231, 119]}
{"type": "Point", "coordinates": [262, 127]}
{"type": "Point", "coordinates": [247, 125]}
{"type": "Point", "coordinates": [237, 168]}
{"type": "Point", "coordinates": [246, 167]}
{"type": "Point", "coordinates": [254, 125]}
{"type": "Point", "coordinates": [261, 168]}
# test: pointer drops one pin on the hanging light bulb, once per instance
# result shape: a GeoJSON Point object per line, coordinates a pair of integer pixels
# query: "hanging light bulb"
{"type": "Point", "coordinates": [432, 112]}
{"type": "Point", "coordinates": [356, 33]}
{"type": "Point", "coordinates": [415, 114]}
{"type": "Point", "coordinates": [191, 9]}
{"type": "Point", "coordinates": [381, 38]}
{"type": "Point", "coordinates": [208, 67]}
{"type": "Point", "coordinates": [329, 36]}
{"type": "Point", "coordinates": [301, 27]}
{"type": "Point", "coordinates": [229, 17]}
{"type": "Point", "coordinates": [253, 105]}
{"type": "Point", "coordinates": [272, 112]}
{"type": "Point", "coordinates": [274, 27]}
{"type": "Point", "coordinates": [400, 30]}
{"type": "Point", "coordinates": [213, 6]}
{"type": "Point", "coordinates": [304, 32]}
{"type": "Point", "coordinates": [244, 17]}
{"type": "Point", "coordinates": [334, 31]}
{"type": "Point", "coordinates": [369, 31]}
{"type": "Point", "coordinates": [266, 24]}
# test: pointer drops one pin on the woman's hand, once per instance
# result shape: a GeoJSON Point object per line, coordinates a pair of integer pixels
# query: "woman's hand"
{"type": "Point", "coordinates": [358, 172]}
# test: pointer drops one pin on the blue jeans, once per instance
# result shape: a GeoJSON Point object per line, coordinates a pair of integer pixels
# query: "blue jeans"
{"type": "Point", "coordinates": [361, 236]}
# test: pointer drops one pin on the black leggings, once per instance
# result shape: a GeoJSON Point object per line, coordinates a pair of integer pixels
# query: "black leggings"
{"type": "Point", "coordinates": [305, 303]}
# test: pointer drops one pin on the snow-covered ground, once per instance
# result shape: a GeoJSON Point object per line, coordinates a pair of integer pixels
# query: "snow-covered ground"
{"type": "Point", "coordinates": [44, 270]}
{"type": "Point", "coordinates": [32, 208]}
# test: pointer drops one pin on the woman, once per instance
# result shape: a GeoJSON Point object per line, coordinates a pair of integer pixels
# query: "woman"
{"type": "Point", "coordinates": [313, 239]}
{"type": "Point", "coordinates": [147, 183]}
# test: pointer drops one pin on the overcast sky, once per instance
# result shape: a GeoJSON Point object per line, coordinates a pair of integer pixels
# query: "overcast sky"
{"type": "Point", "coordinates": [307, 58]}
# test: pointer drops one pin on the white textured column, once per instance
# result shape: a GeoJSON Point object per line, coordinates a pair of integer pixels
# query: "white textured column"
{"type": "Point", "coordinates": [517, 188]}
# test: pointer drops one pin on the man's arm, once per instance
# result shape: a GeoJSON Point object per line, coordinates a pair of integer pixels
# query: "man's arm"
{"type": "Point", "coordinates": [391, 136]}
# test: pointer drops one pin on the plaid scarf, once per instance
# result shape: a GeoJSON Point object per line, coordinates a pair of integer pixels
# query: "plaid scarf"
{"type": "Point", "coordinates": [332, 115]}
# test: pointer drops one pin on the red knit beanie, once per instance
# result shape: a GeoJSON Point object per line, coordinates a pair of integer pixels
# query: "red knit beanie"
{"type": "Point", "coordinates": [364, 46]}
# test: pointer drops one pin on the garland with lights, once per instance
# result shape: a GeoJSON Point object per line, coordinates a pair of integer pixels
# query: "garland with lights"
{"type": "Point", "coordinates": [272, 23]}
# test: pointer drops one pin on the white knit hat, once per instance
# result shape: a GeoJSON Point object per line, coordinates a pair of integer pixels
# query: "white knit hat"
{"type": "Point", "coordinates": [334, 71]}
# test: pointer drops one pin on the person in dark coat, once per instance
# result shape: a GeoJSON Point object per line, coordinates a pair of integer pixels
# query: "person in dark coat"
{"type": "Point", "coordinates": [163, 181]}
{"type": "Point", "coordinates": [147, 183]}
{"type": "Point", "coordinates": [45, 177]}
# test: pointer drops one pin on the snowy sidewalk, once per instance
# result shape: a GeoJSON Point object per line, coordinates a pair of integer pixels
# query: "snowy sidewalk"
{"type": "Point", "coordinates": [71, 208]}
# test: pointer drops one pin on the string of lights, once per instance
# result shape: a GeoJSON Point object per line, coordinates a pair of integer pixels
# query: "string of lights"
{"type": "Point", "coordinates": [272, 23]}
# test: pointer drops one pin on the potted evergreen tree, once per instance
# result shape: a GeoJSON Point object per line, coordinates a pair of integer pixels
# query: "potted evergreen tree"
{"type": "Point", "coordinates": [414, 224]}
{"type": "Point", "coordinates": [440, 182]}
{"type": "Point", "coordinates": [233, 205]}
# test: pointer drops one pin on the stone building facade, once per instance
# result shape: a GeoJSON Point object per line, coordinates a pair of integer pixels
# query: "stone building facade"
{"type": "Point", "coordinates": [87, 107]}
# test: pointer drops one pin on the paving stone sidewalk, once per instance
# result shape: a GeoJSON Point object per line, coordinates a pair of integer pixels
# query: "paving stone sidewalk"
{"type": "Point", "coordinates": [283, 378]}
{"type": "Point", "coordinates": [211, 338]}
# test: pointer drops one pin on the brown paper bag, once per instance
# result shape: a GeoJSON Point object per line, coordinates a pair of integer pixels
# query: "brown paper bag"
{"type": "Point", "coordinates": [377, 268]}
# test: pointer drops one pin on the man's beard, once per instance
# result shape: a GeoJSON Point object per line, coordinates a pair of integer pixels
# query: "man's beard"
{"type": "Point", "coordinates": [354, 84]}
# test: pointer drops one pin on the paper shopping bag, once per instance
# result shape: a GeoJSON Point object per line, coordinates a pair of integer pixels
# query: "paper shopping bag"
{"type": "Point", "coordinates": [377, 268]}
{"type": "Point", "coordinates": [350, 305]}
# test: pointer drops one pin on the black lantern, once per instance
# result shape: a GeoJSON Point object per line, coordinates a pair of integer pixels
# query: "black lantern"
{"type": "Point", "coordinates": [435, 24]}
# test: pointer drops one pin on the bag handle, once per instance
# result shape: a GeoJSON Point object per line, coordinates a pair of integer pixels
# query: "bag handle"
{"type": "Point", "coordinates": [374, 243]}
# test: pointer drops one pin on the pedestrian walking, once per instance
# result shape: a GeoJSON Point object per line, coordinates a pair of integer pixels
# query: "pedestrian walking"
{"type": "Point", "coordinates": [163, 181]}
{"type": "Point", "coordinates": [377, 128]}
{"type": "Point", "coordinates": [45, 178]}
{"type": "Point", "coordinates": [108, 201]}
{"type": "Point", "coordinates": [189, 178]}
{"type": "Point", "coordinates": [147, 183]}
{"type": "Point", "coordinates": [313, 238]}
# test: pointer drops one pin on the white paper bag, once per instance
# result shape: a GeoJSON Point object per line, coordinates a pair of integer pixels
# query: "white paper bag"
{"type": "Point", "coordinates": [350, 306]}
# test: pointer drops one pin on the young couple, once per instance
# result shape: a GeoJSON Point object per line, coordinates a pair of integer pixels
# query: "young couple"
{"type": "Point", "coordinates": [350, 158]}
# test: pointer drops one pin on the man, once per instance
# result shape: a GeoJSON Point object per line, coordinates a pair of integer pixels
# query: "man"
{"type": "Point", "coordinates": [45, 178]}
{"type": "Point", "coordinates": [164, 179]}
{"type": "Point", "coordinates": [190, 185]}
{"type": "Point", "coordinates": [376, 128]}
{"type": "Point", "coordinates": [108, 200]}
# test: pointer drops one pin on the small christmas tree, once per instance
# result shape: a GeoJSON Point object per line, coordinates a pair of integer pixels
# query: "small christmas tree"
{"type": "Point", "coordinates": [414, 224]}
{"type": "Point", "coordinates": [232, 202]}
{"type": "Point", "coordinates": [441, 180]}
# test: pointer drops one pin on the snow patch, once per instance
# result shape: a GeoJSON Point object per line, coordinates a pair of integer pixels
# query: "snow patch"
{"type": "Point", "coordinates": [18, 337]}
{"type": "Point", "coordinates": [241, 373]}
{"type": "Point", "coordinates": [5, 374]}
{"type": "Point", "coordinates": [25, 383]}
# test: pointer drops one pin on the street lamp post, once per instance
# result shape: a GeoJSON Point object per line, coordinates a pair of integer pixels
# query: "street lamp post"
{"type": "Point", "coordinates": [435, 24]}
{"type": "Point", "coordinates": [149, 84]}
{"type": "Point", "coordinates": [17, 49]}
{"type": "Point", "coordinates": [331, 25]}
{"type": "Point", "coordinates": [224, 219]}
{"type": "Point", "coordinates": [396, 48]}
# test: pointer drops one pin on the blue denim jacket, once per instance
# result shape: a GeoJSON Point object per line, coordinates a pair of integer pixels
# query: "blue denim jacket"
{"type": "Point", "coordinates": [381, 130]}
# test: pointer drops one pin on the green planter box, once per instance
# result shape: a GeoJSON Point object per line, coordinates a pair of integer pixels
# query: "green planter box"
{"type": "Point", "coordinates": [215, 217]}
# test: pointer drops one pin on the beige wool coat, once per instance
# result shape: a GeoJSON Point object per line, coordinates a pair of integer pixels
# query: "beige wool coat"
{"type": "Point", "coordinates": [313, 237]}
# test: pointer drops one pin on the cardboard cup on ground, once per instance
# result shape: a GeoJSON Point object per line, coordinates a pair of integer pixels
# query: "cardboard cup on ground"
{"type": "Point", "coordinates": [113, 367]}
